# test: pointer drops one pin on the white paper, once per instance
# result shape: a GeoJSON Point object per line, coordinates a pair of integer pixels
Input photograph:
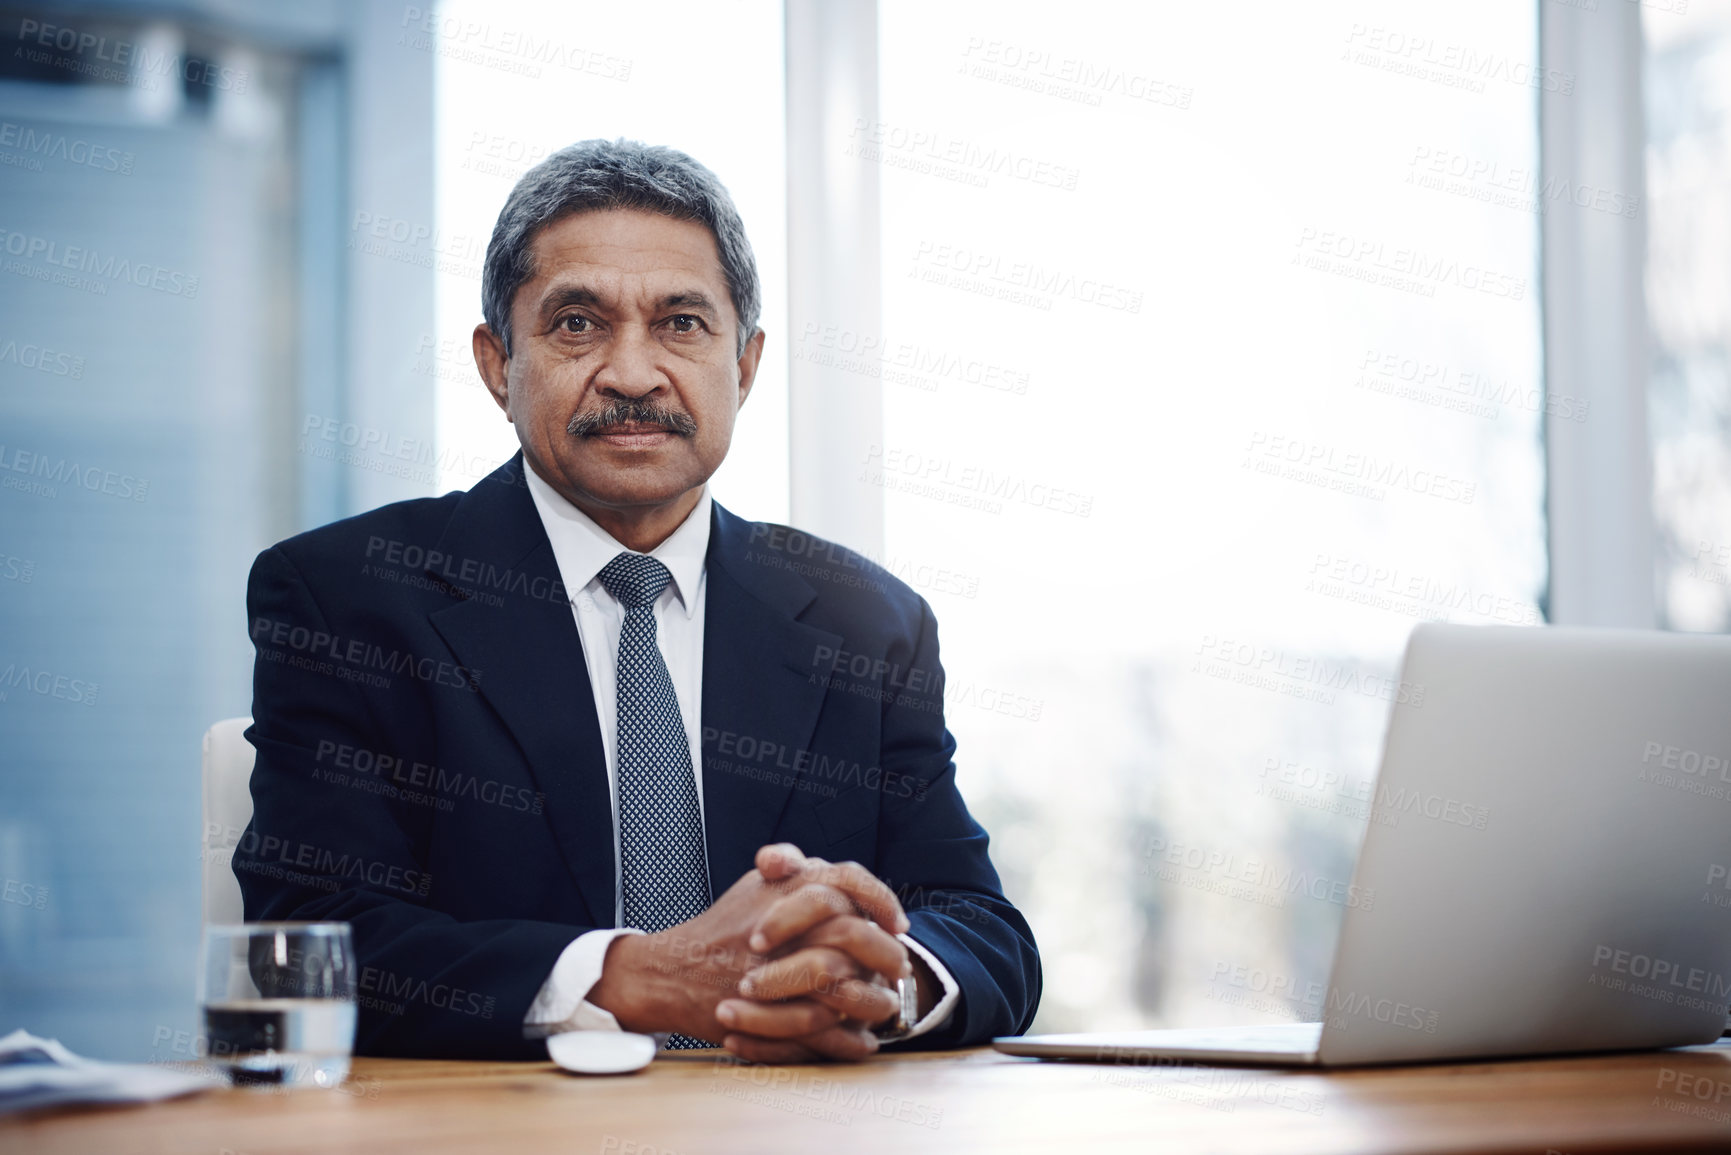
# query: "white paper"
{"type": "Point", "coordinates": [41, 1073]}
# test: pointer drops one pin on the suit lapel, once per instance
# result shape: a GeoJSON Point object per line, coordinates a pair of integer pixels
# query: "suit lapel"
{"type": "Point", "coordinates": [530, 666]}
{"type": "Point", "coordinates": [758, 683]}
{"type": "Point", "coordinates": [758, 678]}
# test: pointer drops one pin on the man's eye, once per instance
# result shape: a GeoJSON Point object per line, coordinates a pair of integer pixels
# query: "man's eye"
{"type": "Point", "coordinates": [577, 324]}
{"type": "Point", "coordinates": [685, 323]}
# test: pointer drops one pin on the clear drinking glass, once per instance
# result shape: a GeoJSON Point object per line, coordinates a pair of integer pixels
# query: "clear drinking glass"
{"type": "Point", "coordinates": [278, 1001]}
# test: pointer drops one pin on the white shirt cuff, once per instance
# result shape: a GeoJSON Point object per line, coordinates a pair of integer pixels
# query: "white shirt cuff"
{"type": "Point", "coordinates": [940, 1013]}
{"type": "Point", "coordinates": [562, 1005]}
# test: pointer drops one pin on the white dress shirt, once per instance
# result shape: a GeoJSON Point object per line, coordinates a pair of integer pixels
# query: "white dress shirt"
{"type": "Point", "coordinates": [581, 549]}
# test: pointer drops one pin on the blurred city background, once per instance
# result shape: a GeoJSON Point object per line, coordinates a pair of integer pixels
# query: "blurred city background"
{"type": "Point", "coordinates": [1182, 356]}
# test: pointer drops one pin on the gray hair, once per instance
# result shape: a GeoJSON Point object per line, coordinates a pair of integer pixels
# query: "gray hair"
{"type": "Point", "coordinates": [616, 174]}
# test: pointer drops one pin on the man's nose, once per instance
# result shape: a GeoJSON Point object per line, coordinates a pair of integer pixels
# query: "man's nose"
{"type": "Point", "coordinates": [632, 367]}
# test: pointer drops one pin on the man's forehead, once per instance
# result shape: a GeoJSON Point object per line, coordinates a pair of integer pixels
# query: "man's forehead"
{"type": "Point", "coordinates": [604, 284]}
{"type": "Point", "coordinates": [625, 250]}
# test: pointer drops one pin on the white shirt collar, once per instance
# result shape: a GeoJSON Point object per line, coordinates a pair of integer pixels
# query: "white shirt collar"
{"type": "Point", "coordinates": [581, 548]}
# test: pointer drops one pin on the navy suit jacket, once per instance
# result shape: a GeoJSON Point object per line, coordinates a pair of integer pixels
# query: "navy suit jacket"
{"type": "Point", "coordinates": [430, 765]}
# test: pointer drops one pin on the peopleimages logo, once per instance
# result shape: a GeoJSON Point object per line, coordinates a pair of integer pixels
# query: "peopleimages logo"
{"type": "Point", "coordinates": [1459, 390]}
{"type": "Point", "coordinates": [1691, 762]}
{"type": "Point", "coordinates": [353, 658]}
{"type": "Point", "coordinates": [1290, 782]}
{"type": "Point", "coordinates": [1344, 1006]}
{"type": "Point", "coordinates": [1527, 189]}
{"type": "Point", "coordinates": [60, 471]}
{"type": "Point", "coordinates": [1460, 66]}
{"type": "Point", "coordinates": [901, 362]}
{"type": "Point", "coordinates": [379, 985]}
{"type": "Point", "coordinates": [1658, 979]}
{"type": "Point", "coordinates": [1228, 867]}
{"type": "Point", "coordinates": [108, 266]}
{"type": "Point", "coordinates": [1047, 283]}
{"type": "Point", "coordinates": [42, 359]}
{"type": "Point", "coordinates": [1388, 587]}
{"type": "Point", "coordinates": [758, 757]}
{"type": "Point", "coordinates": [1354, 473]}
{"type": "Point", "coordinates": [1284, 992]}
{"type": "Point", "coordinates": [964, 482]}
{"type": "Point", "coordinates": [24, 894]}
{"type": "Point", "coordinates": [875, 140]}
{"type": "Point", "coordinates": [123, 61]}
{"type": "Point", "coordinates": [516, 50]}
{"type": "Point", "coordinates": [1684, 1086]}
{"type": "Point", "coordinates": [38, 146]}
{"type": "Point", "coordinates": [470, 576]}
{"type": "Point", "coordinates": [802, 1092]}
{"type": "Point", "coordinates": [1400, 266]}
{"type": "Point", "coordinates": [1265, 667]}
{"type": "Point", "coordinates": [1038, 69]}
{"type": "Point", "coordinates": [268, 854]}
{"type": "Point", "coordinates": [46, 683]}
{"type": "Point", "coordinates": [1685, 770]}
{"type": "Point", "coordinates": [388, 773]}
{"type": "Point", "coordinates": [1720, 894]}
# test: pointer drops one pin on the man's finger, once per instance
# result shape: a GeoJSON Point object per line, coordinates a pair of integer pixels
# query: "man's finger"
{"type": "Point", "coordinates": [841, 948]}
{"type": "Point", "coordinates": [779, 860]}
{"type": "Point", "coordinates": [797, 912]}
{"type": "Point", "coordinates": [845, 1043]}
{"type": "Point", "coordinates": [870, 896]}
{"type": "Point", "coordinates": [784, 1020]}
{"type": "Point", "coordinates": [861, 1001]}
{"type": "Point", "coordinates": [865, 943]}
{"type": "Point", "coordinates": [868, 893]}
{"type": "Point", "coordinates": [804, 972]}
{"type": "Point", "coordinates": [756, 1050]}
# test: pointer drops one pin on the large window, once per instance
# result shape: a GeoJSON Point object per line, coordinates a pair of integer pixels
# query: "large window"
{"type": "Point", "coordinates": [1216, 366]}
{"type": "Point", "coordinates": [1688, 87]}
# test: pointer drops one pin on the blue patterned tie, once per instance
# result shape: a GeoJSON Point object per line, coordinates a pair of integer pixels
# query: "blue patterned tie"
{"type": "Point", "coordinates": [664, 872]}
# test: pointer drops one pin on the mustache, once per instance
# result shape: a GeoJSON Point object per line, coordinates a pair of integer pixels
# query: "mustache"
{"type": "Point", "coordinates": [629, 411]}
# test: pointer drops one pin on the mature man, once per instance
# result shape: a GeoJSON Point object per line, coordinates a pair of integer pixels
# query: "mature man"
{"type": "Point", "coordinates": [519, 737]}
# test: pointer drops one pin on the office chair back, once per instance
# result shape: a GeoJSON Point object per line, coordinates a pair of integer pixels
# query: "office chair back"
{"type": "Point", "coordinates": [228, 760]}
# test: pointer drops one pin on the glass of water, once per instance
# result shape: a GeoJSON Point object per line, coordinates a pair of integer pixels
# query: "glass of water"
{"type": "Point", "coordinates": [278, 1000]}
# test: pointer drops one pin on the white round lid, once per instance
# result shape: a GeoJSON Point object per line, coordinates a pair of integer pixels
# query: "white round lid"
{"type": "Point", "coordinates": [601, 1052]}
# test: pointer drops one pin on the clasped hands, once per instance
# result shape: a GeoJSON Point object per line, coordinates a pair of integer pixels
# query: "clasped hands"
{"type": "Point", "coordinates": [794, 962]}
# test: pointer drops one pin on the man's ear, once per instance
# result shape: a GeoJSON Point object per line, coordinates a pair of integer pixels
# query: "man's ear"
{"type": "Point", "coordinates": [748, 363]}
{"type": "Point", "coordinates": [493, 362]}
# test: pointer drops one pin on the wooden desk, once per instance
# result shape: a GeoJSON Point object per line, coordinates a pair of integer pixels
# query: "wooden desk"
{"type": "Point", "coordinates": [696, 1104]}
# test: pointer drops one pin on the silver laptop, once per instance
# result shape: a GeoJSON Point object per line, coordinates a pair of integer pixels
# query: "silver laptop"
{"type": "Point", "coordinates": [1592, 910]}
